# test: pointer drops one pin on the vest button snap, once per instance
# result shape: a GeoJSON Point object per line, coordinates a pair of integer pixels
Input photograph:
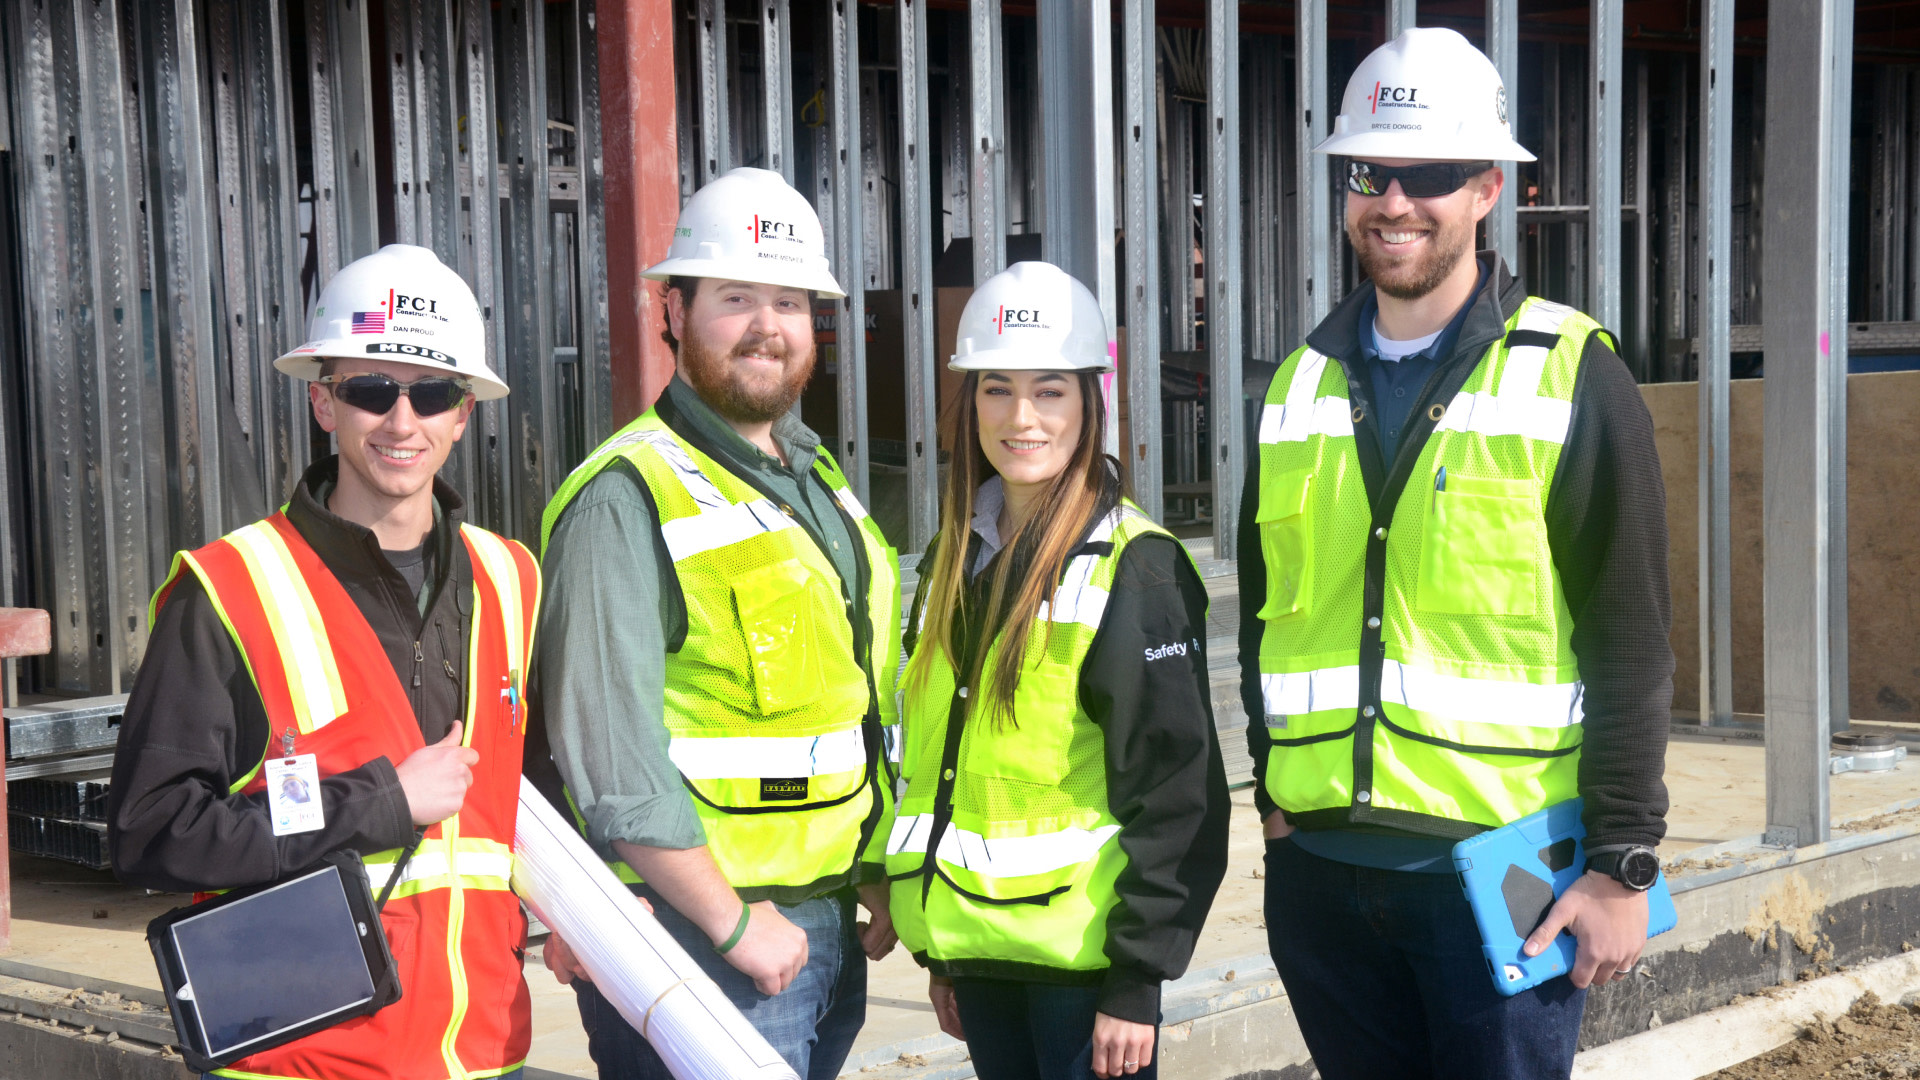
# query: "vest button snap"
{"type": "Point", "coordinates": [1365, 796]}
{"type": "Point", "coordinates": [963, 691]}
{"type": "Point", "coordinates": [1373, 622]}
{"type": "Point", "coordinates": [1380, 533]}
{"type": "Point", "coordinates": [1366, 710]}
{"type": "Point", "coordinates": [948, 774]}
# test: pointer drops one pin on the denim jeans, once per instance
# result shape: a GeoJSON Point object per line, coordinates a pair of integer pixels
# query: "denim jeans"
{"type": "Point", "coordinates": [812, 1023]}
{"type": "Point", "coordinates": [1018, 1030]}
{"type": "Point", "coordinates": [1386, 978]}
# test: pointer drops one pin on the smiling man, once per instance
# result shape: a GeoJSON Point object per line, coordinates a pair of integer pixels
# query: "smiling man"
{"type": "Point", "coordinates": [1454, 606]}
{"type": "Point", "coordinates": [718, 648]}
{"type": "Point", "coordinates": [371, 645]}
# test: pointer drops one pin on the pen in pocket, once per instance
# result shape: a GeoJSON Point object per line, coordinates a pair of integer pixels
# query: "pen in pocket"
{"type": "Point", "coordinates": [1440, 479]}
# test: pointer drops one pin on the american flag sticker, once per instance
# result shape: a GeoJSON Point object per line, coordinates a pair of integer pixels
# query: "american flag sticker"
{"type": "Point", "coordinates": [369, 322]}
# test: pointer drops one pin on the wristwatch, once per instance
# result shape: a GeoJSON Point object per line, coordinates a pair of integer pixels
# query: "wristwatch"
{"type": "Point", "coordinates": [1635, 867]}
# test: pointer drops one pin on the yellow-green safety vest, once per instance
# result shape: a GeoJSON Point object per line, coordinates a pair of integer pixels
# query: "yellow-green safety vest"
{"type": "Point", "coordinates": [1416, 661]}
{"type": "Point", "coordinates": [1024, 849]}
{"type": "Point", "coordinates": [774, 715]}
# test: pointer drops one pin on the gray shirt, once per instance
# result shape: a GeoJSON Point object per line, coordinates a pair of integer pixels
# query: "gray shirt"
{"type": "Point", "coordinates": [600, 659]}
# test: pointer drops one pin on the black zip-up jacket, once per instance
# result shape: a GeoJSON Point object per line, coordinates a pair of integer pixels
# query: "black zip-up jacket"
{"type": "Point", "coordinates": [1606, 527]}
{"type": "Point", "coordinates": [1165, 781]}
{"type": "Point", "coordinates": [195, 723]}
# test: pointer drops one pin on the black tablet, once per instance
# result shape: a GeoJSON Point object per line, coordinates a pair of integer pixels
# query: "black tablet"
{"type": "Point", "coordinates": [260, 967]}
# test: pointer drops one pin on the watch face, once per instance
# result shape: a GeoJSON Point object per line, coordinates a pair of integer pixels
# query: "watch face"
{"type": "Point", "coordinates": [1638, 869]}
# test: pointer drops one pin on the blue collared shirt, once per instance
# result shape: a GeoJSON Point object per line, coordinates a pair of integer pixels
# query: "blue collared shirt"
{"type": "Point", "coordinates": [1397, 384]}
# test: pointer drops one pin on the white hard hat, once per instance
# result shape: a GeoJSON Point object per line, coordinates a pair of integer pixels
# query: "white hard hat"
{"type": "Point", "coordinates": [402, 304]}
{"type": "Point", "coordinates": [1427, 95]}
{"type": "Point", "coordinates": [1032, 316]}
{"type": "Point", "coordinates": [750, 225]}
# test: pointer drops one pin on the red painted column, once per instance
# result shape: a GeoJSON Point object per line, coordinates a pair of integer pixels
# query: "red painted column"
{"type": "Point", "coordinates": [23, 632]}
{"type": "Point", "coordinates": [638, 145]}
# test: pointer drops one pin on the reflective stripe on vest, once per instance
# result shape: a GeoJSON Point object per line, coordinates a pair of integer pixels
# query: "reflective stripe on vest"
{"type": "Point", "coordinates": [452, 922]}
{"type": "Point", "coordinates": [1476, 718]}
{"type": "Point", "coordinates": [1026, 862]}
{"type": "Point", "coordinates": [766, 700]}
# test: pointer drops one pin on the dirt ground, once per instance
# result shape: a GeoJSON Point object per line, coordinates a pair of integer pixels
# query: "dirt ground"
{"type": "Point", "coordinates": [1871, 1041]}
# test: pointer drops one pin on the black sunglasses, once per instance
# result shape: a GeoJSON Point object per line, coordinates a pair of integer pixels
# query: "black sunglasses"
{"type": "Point", "coordinates": [378, 394]}
{"type": "Point", "coordinates": [1417, 181]}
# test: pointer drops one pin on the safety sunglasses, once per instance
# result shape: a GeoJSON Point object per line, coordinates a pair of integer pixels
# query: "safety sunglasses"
{"type": "Point", "coordinates": [378, 394]}
{"type": "Point", "coordinates": [1417, 181]}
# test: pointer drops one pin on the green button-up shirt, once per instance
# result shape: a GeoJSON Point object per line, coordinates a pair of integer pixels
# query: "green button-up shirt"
{"type": "Point", "coordinates": [600, 659]}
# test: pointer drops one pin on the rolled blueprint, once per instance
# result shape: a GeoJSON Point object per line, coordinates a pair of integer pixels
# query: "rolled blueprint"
{"type": "Point", "coordinates": [627, 953]}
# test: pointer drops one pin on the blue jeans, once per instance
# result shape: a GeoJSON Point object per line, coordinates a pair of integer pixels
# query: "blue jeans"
{"type": "Point", "coordinates": [1386, 977]}
{"type": "Point", "coordinates": [812, 1023]}
{"type": "Point", "coordinates": [1018, 1030]}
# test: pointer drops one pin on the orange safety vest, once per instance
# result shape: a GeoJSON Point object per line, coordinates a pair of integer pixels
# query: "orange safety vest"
{"type": "Point", "coordinates": [456, 930]}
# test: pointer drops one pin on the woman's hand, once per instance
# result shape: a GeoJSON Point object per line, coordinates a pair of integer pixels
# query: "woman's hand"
{"type": "Point", "coordinates": [1120, 1047]}
{"type": "Point", "coordinates": [945, 1006]}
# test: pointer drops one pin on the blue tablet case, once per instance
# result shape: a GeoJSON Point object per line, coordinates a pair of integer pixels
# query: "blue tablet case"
{"type": "Point", "coordinates": [1512, 876]}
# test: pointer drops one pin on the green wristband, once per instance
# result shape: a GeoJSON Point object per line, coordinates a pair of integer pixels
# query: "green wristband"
{"type": "Point", "coordinates": [739, 931]}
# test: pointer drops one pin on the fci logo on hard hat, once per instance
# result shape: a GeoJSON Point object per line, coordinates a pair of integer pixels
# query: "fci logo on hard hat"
{"type": "Point", "coordinates": [1404, 97]}
{"type": "Point", "coordinates": [763, 227]}
{"type": "Point", "coordinates": [1028, 318]}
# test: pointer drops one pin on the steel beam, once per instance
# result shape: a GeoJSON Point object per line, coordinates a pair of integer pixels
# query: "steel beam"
{"type": "Point", "coordinates": [1604, 91]}
{"type": "Point", "coordinates": [776, 59]}
{"type": "Point", "coordinates": [1142, 227]}
{"type": "Point", "coordinates": [1503, 48]}
{"type": "Point", "coordinates": [850, 335]}
{"type": "Point", "coordinates": [1225, 415]}
{"type": "Point", "coordinates": [916, 268]}
{"type": "Point", "coordinates": [1716, 261]}
{"type": "Point", "coordinates": [987, 147]}
{"type": "Point", "coordinates": [710, 45]}
{"type": "Point", "coordinates": [1808, 42]}
{"type": "Point", "coordinates": [1315, 200]}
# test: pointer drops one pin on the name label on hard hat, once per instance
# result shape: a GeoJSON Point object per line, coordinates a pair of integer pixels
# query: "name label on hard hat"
{"type": "Point", "coordinates": [1018, 318]}
{"type": "Point", "coordinates": [401, 348]}
{"type": "Point", "coordinates": [766, 228]}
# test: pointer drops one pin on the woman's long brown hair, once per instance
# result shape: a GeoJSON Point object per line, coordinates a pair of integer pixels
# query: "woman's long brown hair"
{"type": "Point", "coordinates": [1032, 560]}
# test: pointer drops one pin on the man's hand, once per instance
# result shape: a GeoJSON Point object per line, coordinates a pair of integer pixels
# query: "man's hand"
{"type": "Point", "coordinates": [945, 1007]}
{"type": "Point", "coordinates": [435, 778]}
{"type": "Point", "coordinates": [1275, 826]}
{"type": "Point", "coordinates": [771, 952]}
{"type": "Point", "coordinates": [1120, 1047]}
{"type": "Point", "coordinates": [560, 959]}
{"type": "Point", "coordinates": [1609, 921]}
{"type": "Point", "coordinates": [876, 934]}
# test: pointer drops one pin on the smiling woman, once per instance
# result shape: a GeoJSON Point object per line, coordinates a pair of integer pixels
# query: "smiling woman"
{"type": "Point", "coordinates": [1057, 702]}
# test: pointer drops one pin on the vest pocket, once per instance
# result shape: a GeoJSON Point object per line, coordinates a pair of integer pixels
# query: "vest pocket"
{"type": "Point", "coordinates": [1286, 542]}
{"type": "Point", "coordinates": [776, 616]}
{"type": "Point", "coordinates": [1479, 554]}
{"type": "Point", "coordinates": [1044, 704]}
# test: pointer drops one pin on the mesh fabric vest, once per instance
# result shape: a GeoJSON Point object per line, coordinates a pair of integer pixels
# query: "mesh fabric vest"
{"type": "Point", "coordinates": [774, 722]}
{"type": "Point", "coordinates": [1473, 716]}
{"type": "Point", "coordinates": [455, 929]}
{"type": "Point", "coordinates": [1024, 856]}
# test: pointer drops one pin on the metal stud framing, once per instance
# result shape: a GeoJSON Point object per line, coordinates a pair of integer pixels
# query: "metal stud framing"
{"type": "Point", "coordinates": [1715, 260]}
{"type": "Point", "coordinates": [1139, 140]}
{"type": "Point", "coordinates": [524, 308]}
{"type": "Point", "coordinates": [850, 338]}
{"type": "Point", "coordinates": [1400, 16]}
{"type": "Point", "coordinates": [710, 49]}
{"type": "Point", "coordinates": [1807, 40]}
{"type": "Point", "coordinates": [1503, 48]}
{"type": "Point", "coordinates": [776, 60]}
{"type": "Point", "coordinates": [1314, 204]}
{"type": "Point", "coordinates": [1604, 91]}
{"type": "Point", "coordinates": [916, 292]}
{"type": "Point", "coordinates": [987, 145]}
{"type": "Point", "coordinates": [1226, 419]}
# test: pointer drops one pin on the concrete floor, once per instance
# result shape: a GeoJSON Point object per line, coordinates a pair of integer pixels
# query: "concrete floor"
{"type": "Point", "coordinates": [83, 921]}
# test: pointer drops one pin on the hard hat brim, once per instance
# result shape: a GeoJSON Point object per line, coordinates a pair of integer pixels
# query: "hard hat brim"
{"type": "Point", "coordinates": [1414, 146]}
{"type": "Point", "coordinates": [304, 364]}
{"type": "Point", "coordinates": [1018, 360]}
{"type": "Point", "coordinates": [813, 279]}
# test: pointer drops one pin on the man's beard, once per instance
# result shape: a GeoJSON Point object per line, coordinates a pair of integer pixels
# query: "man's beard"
{"type": "Point", "coordinates": [1410, 278]}
{"type": "Point", "coordinates": [739, 397]}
